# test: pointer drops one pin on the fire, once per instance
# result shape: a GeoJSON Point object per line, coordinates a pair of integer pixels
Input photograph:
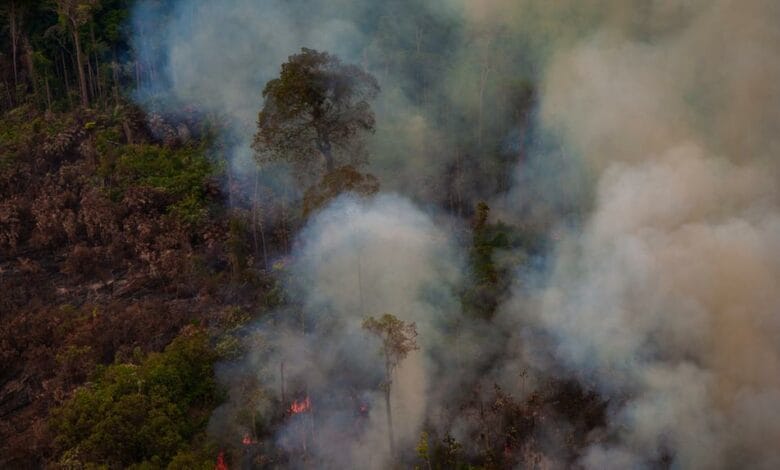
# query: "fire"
{"type": "Point", "coordinates": [300, 406]}
{"type": "Point", "coordinates": [221, 465]}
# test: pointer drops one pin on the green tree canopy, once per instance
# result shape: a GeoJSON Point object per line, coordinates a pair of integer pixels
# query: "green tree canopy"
{"type": "Point", "coordinates": [317, 105]}
{"type": "Point", "coordinates": [147, 412]}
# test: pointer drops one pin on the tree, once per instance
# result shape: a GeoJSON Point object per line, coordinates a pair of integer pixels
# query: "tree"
{"type": "Point", "coordinates": [317, 105]}
{"type": "Point", "coordinates": [136, 413]}
{"type": "Point", "coordinates": [343, 179]}
{"type": "Point", "coordinates": [74, 14]}
{"type": "Point", "coordinates": [13, 31]}
{"type": "Point", "coordinates": [398, 339]}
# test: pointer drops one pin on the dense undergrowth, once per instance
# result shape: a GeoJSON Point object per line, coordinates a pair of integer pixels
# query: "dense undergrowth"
{"type": "Point", "coordinates": [114, 242]}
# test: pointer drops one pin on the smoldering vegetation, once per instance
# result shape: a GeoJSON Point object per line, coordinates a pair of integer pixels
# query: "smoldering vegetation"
{"type": "Point", "coordinates": [630, 149]}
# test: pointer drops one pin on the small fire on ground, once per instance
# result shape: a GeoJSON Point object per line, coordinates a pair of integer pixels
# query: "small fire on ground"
{"type": "Point", "coordinates": [300, 406]}
{"type": "Point", "coordinates": [221, 465]}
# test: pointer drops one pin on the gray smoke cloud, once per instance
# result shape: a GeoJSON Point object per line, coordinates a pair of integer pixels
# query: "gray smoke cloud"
{"type": "Point", "coordinates": [652, 155]}
{"type": "Point", "coordinates": [667, 297]}
{"type": "Point", "coordinates": [357, 259]}
{"type": "Point", "coordinates": [436, 72]}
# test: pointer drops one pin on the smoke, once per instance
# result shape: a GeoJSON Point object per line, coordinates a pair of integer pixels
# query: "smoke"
{"type": "Point", "coordinates": [353, 260]}
{"type": "Point", "coordinates": [667, 298]}
{"type": "Point", "coordinates": [427, 58]}
{"type": "Point", "coordinates": [650, 153]}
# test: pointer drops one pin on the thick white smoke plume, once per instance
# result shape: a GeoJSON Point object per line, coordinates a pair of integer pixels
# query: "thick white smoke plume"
{"type": "Point", "coordinates": [665, 297]}
{"type": "Point", "coordinates": [358, 259]}
{"type": "Point", "coordinates": [669, 298]}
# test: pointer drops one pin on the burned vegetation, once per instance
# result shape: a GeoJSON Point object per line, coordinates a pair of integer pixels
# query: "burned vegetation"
{"type": "Point", "coordinates": [378, 235]}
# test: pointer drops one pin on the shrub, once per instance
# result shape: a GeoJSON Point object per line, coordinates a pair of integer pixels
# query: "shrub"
{"type": "Point", "coordinates": [141, 414]}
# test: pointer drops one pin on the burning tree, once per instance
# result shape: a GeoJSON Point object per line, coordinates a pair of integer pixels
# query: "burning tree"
{"type": "Point", "coordinates": [398, 340]}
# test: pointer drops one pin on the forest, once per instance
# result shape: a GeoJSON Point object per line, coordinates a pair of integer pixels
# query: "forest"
{"type": "Point", "coordinates": [424, 234]}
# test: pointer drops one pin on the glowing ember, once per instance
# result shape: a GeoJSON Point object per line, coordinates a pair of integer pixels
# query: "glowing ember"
{"type": "Point", "coordinates": [300, 406]}
{"type": "Point", "coordinates": [221, 465]}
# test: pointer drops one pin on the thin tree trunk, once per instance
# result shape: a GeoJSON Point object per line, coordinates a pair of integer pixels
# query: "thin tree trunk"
{"type": "Point", "coordinates": [115, 74]}
{"type": "Point", "coordinates": [128, 131]}
{"type": "Point", "coordinates": [360, 279]}
{"type": "Point", "coordinates": [257, 222]}
{"type": "Point", "coordinates": [389, 412]}
{"type": "Point", "coordinates": [91, 80]}
{"type": "Point", "coordinates": [483, 80]}
{"type": "Point", "coordinates": [281, 373]}
{"type": "Point", "coordinates": [14, 34]}
{"type": "Point", "coordinates": [262, 241]}
{"type": "Point", "coordinates": [80, 66]}
{"type": "Point", "coordinates": [99, 94]}
{"type": "Point", "coordinates": [482, 83]}
{"type": "Point", "coordinates": [28, 53]}
{"type": "Point", "coordinates": [254, 217]}
{"type": "Point", "coordinates": [65, 76]}
{"type": "Point", "coordinates": [48, 91]}
{"type": "Point", "coordinates": [8, 92]}
{"type": "Point", "coordinates": [327, 154]}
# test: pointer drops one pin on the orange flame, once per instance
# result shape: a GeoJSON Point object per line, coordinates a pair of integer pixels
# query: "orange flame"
{"type": "Point", "coordinates": [300, 406]}
{"type": "Point", "coordinates": [221, 465]}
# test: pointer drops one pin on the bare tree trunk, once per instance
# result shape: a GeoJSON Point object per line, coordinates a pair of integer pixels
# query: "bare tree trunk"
{"type": "Point", "coordinates": [115, 74]}
{"type": "Point", "coordinates": [281, 373]}
{"type": "Point", "coordinates": [65, 76]}
{"type": "Point", "coordinates": [48, 91]}
{"type": "Point", "coordinates": [8, 93]}
{"type": "Point", "coordinates": [28, 54]}
{"type": "Point", "coordinates": [99, 94]}
{"type": "Point", "coordinates": [14, 34]}
{"type": "Point", "coordinates": [257, 222]}
{"type": "Point", "coordinates": [483, 80]}
{"type": "Point", "coordinates": [80, 66]}
{"type": "Point", "coordinates": [91, 79]}
{"type": "Point", "coordinates": [389, 411]}
{"type": "Point", "coordinates": [285, 225]}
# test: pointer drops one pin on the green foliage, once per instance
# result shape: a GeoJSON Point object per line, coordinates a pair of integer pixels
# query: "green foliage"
{"type": "Point", "coordinates": [340, 180]}
{"type": "Point", "coordinates": [398, 338]}
{"type": "Point", "coordinates": [422, 449]}
{"type": "Point", "coordinates": [143, 413]}
{"type": "Point", "coordinates": [181, 173]}
{"type": "Point", "coordinates": [489, 280]}
{"type": "Point", "coordinates": [316, 104]}
{"type": "Point", "coordinates": [14, 135]}
{"type": "Point", "coordinates": [193, 460]}
{"type": "Point", "coordinates": [23, 130]}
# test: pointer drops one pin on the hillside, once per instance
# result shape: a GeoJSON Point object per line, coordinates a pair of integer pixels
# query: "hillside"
{"type": "Point", "coordinates": [379, 235]}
